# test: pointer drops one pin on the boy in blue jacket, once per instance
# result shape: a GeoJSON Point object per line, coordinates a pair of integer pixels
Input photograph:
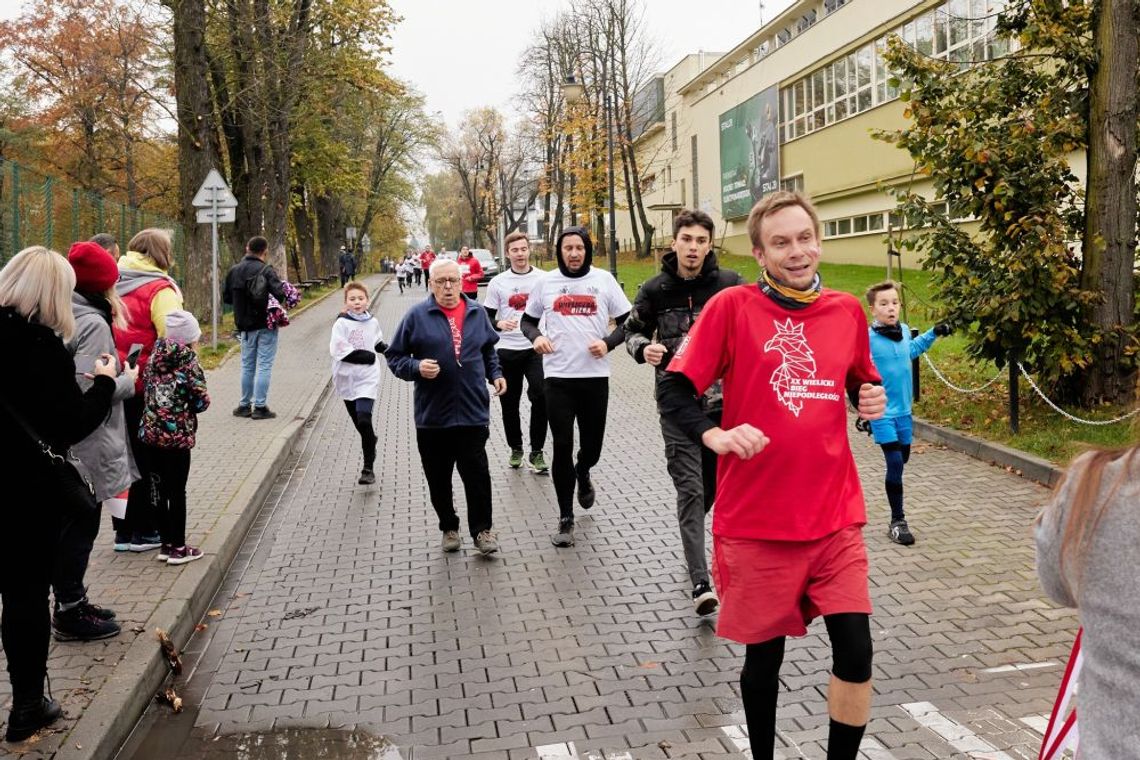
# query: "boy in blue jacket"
{"type": "Point", "coordinates": [892, 350]}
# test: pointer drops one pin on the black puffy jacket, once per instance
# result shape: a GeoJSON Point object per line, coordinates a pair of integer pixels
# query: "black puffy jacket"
{"type": "Point", "coordinates": [666, 307]}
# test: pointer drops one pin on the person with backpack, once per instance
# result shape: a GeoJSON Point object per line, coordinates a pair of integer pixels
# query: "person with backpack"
{"type": "Point", "coordinates": [347, 266]}
{"type": "Point", "coordinates": [249, 283]}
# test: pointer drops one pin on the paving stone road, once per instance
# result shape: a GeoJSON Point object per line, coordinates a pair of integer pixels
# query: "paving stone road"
{"type": "Point", "coordinates": [342, 614]}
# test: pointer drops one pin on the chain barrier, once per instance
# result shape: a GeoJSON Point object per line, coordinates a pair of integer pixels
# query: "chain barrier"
{"type": "Point", "coordinates": [1065, 414]}
{"type": "Point", "coordinates": [951, 385]}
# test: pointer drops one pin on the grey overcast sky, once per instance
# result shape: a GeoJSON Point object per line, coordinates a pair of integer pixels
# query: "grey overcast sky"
{"type": "Point", "coordinates": [463, 54]}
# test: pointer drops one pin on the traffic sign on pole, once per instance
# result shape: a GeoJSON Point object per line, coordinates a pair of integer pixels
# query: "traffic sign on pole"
{"type": "Point", "coordinates": [214, 192]}
{"type": "Point", "coordinates": [215, 204]}
{"type": "Point", "coordinates": [223, 215]}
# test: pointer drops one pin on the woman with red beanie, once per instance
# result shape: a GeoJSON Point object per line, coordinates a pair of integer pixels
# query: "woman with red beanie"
{"type": "Point", "coordinates": [105, 454]}
{"type": "Point", "coordinates": [149, 293]}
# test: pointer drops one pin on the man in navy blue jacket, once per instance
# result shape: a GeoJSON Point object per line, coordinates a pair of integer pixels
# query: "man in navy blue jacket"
{"type": "Point", "coordinates": [446, 346]}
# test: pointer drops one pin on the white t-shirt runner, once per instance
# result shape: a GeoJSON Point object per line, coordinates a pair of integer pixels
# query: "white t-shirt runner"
{"type": "Point", "coordinates": [507, 294]}
{"type": "Point", "coordinates": [578, 312]}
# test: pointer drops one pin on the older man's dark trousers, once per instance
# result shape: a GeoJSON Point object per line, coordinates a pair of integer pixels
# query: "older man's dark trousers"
{"type": "Point", "coordinates": [518, 365]}
{"type": "Point", "coordinates": [442, 451]}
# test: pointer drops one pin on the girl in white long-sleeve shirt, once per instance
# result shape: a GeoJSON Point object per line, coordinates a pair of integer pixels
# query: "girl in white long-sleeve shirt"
{"type": "Point", "coordinates": [356, 339]}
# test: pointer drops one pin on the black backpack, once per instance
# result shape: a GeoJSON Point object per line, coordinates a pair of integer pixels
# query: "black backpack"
{"type": "Point", "coordinates": [258, 284]}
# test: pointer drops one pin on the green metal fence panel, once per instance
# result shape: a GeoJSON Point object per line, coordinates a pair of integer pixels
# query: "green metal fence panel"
{"type": "Point", "coordinates": [36, 209]}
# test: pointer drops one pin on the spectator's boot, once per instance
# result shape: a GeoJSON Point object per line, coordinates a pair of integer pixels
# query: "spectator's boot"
{"type": "Point", "coordinates": [29, 714]}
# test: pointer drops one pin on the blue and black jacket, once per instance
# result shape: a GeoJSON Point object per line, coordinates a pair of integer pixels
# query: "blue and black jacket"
{"type": "Point", "coordinates": [892, 355]}
{"type": "Point", "coordinates": [458, 396]}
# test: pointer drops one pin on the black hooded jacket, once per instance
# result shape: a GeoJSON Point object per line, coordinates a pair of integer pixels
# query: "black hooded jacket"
{"type": "Point", "coordinates": [583, 233]}
{"type": "Point", "coordinates": [667, 305]}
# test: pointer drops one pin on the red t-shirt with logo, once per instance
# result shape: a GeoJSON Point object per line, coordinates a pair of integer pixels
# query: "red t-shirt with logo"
{"type": "Point", "coordinates": [786, 372]}
{"type": "Point", "coordinates": [455, 322]}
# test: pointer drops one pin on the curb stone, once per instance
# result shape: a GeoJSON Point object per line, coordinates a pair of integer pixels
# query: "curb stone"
{"type": "Point", "coordinates": [1024, 464]}
{"type": "Point", "coordinates": [108, 721]}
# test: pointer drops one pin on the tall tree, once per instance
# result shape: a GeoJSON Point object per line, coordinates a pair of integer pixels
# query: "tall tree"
{"type": "Point", "coordinates": [198, 150]}
{"type": "Point", "coordinates": [995, 140]}
{"type": "Point", "coordinates": [1109, 239]}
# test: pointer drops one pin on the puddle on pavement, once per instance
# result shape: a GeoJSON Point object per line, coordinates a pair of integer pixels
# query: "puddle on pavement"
{"type": "Point", "coordinates": [292, 744]}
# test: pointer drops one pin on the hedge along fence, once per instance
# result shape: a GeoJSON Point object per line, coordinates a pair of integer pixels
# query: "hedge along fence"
{"type": "Point", "coordinates": [37, 209]}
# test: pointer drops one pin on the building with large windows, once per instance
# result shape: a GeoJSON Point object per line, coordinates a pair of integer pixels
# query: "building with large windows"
{"type": "Point", "coordinates": [794, 105]}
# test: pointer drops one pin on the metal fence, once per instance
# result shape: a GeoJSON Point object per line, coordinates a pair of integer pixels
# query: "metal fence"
{"type": "Point", "coordinates": [37, 209]}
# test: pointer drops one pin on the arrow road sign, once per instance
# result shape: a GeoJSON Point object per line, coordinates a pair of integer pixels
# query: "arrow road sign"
{"type": "Point", "coordinates": [222, 215]}
{"type": "Point", "coordinates": [214, 192]}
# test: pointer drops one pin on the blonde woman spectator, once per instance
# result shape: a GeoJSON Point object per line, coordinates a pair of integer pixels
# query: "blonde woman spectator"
{"type": "Point", "coordinates": [39, 392]}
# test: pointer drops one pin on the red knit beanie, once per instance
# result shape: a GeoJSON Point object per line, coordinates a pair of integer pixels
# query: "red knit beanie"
{"type": "Point", "coordinates": [95, 269]}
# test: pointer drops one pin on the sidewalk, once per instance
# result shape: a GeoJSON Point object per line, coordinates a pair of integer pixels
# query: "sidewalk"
{"type": "Point", "coordinates": [104, 686]}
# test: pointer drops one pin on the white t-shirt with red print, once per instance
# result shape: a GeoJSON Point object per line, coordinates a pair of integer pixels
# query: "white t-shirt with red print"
{"type": "Point", "coordinates": [507, 294]}
{"type": "Point", "coordinates": [578, 311]}
{"type": "Point", "coordinates": [786, 372]}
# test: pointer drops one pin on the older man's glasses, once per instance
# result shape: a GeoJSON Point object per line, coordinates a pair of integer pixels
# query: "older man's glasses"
{"type": "Point", "coordinates": [446, 281]}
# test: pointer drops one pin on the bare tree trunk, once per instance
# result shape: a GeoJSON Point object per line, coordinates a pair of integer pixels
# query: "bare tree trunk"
{"type": "Point", "coordinates": [303, 226]}
{"type": "Point", "coordinates": [196, 148]}
{"type": "Point", "coordinates": [328, 226]}
{"type": "Point", "coordinates": [1110, 207]}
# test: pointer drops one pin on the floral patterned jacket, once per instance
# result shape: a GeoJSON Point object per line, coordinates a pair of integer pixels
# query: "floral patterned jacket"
{"type": "Point", "coordinates": [174, 395]}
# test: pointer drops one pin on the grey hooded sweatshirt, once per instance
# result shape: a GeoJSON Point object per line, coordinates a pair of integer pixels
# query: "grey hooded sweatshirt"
{"type": "Point", "coordinates": [1107, 599]}
{"type": "Point", "coordinates": [106, 453]}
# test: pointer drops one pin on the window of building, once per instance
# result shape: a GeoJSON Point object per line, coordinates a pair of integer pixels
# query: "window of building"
{"type": "Point", "coordinates": [673, 125]}
{"type": "Point", "coordinates": [860, 224]}
{"type": "Point", "coordinates": [682, 191]}
{"type": "Point", "coordinates": [693, 158]}
{"type": "Point", "coordinates": [961, 31]}
{"type": "Point", "coordinates": [794, 183]}
{"type": "Point", "coordinates": [831, 6]}
{"type": "Point", "coordinates": [648, 183]}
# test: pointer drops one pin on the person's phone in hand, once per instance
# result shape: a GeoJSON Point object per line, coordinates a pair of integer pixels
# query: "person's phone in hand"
{"type": "Point", "coordinates": [133, 354]}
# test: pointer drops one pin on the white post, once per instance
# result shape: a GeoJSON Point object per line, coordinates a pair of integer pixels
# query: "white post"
{"type": "Point", "coordinates": [214, 271]}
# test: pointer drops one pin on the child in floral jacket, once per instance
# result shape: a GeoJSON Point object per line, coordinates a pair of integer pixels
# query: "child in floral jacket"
{"type": "Point", "coordinates": [174, 395]}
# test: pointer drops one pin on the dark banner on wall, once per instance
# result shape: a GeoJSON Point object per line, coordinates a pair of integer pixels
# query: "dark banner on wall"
{"type": "Point", "coordinates": [749, 153]}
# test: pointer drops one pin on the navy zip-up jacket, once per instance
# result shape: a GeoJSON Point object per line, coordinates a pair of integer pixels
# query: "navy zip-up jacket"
{"type": "Point", "coordinates": [458, 395]}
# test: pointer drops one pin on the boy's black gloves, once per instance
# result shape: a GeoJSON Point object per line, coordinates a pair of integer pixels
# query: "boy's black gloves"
{"type": "Point", "coordinates": [942, 330]}
{"type": "Point", "coordinates": [381, 347]}
{"type": "Point", "coordinates": [863, 426]}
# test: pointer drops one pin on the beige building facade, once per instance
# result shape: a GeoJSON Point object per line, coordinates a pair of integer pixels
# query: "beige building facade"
{"type": "Point", "coordinates": [795, 105]}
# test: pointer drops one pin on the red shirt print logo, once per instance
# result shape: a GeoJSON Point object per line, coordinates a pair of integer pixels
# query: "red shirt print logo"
{"type": "Point", "coordinates": [518, 301]}
{"type": "Point", "coordinates": [576, 305]}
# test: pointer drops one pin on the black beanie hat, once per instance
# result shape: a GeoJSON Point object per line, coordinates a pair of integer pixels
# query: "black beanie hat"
{"type": "Point", "coordinates": [583, 233]}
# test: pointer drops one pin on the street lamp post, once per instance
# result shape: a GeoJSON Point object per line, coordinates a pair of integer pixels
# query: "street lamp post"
{"type": "Point", "coordinates": [573, 92]}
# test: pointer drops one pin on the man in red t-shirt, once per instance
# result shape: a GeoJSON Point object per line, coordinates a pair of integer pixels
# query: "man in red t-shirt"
{"type": "Point", "coordinates": [787, 527]}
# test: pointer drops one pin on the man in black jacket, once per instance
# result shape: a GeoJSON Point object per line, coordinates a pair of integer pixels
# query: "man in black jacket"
{"type": "Point", "coordinates": [248, 286]}
{"type": "Point", "coordinates": [347, 266]}
{"type": "Point", "coordinates": [663, 312]}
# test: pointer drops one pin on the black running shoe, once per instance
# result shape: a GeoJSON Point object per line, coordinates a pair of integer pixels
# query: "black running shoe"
{"type": "Point", "coordinates": [705, 600]}
{"type": "Point", "coordinates": [900, 533]}
{"type": "Point", "coordinates": [586, 495]}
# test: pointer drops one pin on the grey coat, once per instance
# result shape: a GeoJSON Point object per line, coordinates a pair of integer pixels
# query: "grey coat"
{"type": "Point", "coordinates": [1108, 602]}
{"type": "Point", "coordinates": [106, 453]}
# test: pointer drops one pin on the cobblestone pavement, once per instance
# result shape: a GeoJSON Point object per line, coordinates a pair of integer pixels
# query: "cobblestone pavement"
{"type": "Point", "coordinates": [134, 585]}
{"type": "Point", "coordinates": [342, 613]}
